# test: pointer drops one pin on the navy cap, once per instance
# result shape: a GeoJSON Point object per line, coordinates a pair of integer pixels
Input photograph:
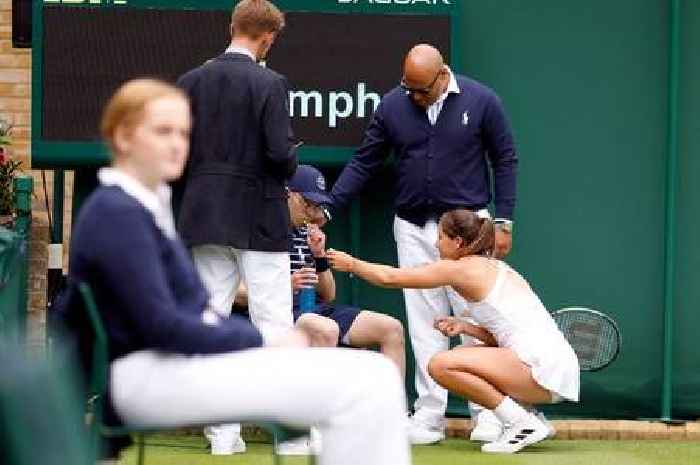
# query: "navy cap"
{"type": "Point", "coordinates": [311, 184]}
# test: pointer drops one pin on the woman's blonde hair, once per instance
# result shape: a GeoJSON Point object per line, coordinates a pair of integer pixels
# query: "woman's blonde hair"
{"type": "Point", "coordinates": [125, 108]}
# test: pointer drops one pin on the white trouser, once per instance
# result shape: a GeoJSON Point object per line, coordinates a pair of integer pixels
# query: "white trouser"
{"type": "Point", "coordinates": [356, 398]}
{"type": "Point", "coordinates": [266, 276]}
{"type": "Point", "coordinates": [417, 246]}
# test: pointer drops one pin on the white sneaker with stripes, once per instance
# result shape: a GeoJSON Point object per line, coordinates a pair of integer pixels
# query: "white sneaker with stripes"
{"type": "Point", "coordinates": [487, 427]}
{"type": "Point", "coordinates": [530, 430]}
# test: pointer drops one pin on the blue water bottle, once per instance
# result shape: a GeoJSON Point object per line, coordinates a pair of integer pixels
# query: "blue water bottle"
{"type": "Point", "coordinates": [307, 295]}
{"type": "Point", "coordinates": [307, 299]}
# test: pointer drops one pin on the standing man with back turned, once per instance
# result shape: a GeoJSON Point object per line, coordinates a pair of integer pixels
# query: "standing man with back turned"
{"type": "Point", "coordinates": [234, 213]}
{"type": "Point", "coordinates": [449, 135]}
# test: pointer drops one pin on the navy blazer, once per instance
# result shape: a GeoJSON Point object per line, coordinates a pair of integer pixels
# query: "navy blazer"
{"type": "Point", "coordinates": [241, 155]}
{"type": "Point", "coordinates": [440, 167]}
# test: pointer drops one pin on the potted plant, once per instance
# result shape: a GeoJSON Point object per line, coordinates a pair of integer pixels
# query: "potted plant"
{"type": "Point", "coordinates": [8, 170]}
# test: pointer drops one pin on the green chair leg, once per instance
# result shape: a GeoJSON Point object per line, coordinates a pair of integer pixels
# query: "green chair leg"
{"type": "Point", "coordinates": [141, 448]}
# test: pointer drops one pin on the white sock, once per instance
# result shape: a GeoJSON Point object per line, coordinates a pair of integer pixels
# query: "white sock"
{"type": "Point", "coordinates": [475, 409]}
{"type": "Point", "coordinates": [509, 411]}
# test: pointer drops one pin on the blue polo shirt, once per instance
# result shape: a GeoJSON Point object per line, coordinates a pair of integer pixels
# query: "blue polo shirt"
{"type": "Point", "coordinates": [443, 166]}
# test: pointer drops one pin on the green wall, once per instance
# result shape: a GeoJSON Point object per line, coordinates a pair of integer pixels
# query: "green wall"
{"type": "Point", "coordinates": [586, 86]}
{"type": "Point", "coordinates": [687, 292]}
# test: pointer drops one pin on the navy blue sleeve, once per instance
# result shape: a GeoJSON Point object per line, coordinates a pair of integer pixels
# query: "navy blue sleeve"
{"type": "Point", "coordinates": [501, 152]}
{"type": "Point", "coordinates": [184, 82]}
{"type": "Point", "coordinates": [126, 251]}
{"type": "Point", "coordinates": [367, 160]}
{"type": "Point", "coordinates": [277, 128]}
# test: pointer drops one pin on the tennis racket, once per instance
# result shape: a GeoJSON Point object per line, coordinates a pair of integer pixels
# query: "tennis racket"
{"type": "Point", "coordinates": [594, 336]}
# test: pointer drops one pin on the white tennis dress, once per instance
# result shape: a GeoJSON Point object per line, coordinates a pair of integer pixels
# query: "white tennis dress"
{"type": "Point", "coordinates": [518, 320]}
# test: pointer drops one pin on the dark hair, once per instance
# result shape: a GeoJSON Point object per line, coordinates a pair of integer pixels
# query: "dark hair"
{"type": "Point", "coordinates": [478, 234]}
{"type": "Point", "coordinates": [252, 18]}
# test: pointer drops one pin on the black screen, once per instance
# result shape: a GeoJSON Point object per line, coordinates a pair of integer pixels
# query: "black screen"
{"type": "Point", "coordinates": [21, 23]}
{"type": "Point", "coordinates": [338, 64]}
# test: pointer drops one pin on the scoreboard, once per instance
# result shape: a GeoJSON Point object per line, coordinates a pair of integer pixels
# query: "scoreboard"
{"type": "Point", "coordinates": [340, 57]}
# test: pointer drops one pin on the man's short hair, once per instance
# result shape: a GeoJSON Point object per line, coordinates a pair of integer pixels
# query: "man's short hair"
{"type": "Point", "coordinates": [252, 18]}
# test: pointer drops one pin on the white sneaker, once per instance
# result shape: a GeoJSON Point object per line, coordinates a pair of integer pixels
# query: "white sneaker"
{"type": "Point", "coordinates": [296, 446]}
{"type": "Point", "coordinates": [219, 447]}
{"type": "Point", "coordinates": [540, 416]}
{"type": "Point", "coordinates": [421, 434]}
{"type": "Point", "coordinates": [528, 431]}
{"type": "Point", "coordinates": [315, 438]}
{"type": "Point", "coordinates": [487, 427]}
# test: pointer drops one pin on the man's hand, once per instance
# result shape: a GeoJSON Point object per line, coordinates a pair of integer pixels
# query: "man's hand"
{"type": "Point", "coordinates": [317, 241]}
{"type": "Point", "coordinates": [449, 325]}
{"type": "Point", "coordinates": [305, 277]}
{"type": "Point", "coordinates": [504, 242]}
{"type": "Point", "coordinates": [340, 261]}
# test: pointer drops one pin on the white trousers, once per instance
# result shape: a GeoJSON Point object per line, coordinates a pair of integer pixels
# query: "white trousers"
{"type": "Point", "coordinates": [417, 246]}
{"type": "Point", "coordinates": [266, 276]}
{"type": "Point", "coordinates": [356, 398]}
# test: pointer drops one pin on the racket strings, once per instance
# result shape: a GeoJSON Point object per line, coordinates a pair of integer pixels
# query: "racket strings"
{"type": "Point", "coordinates": [593, 337]}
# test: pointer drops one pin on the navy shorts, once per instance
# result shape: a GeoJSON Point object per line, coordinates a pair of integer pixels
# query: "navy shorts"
{"type": "Point", "coordinates": [343, 315]}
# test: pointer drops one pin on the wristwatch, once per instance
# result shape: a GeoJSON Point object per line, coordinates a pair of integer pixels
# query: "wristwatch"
{"type": "Point", "coordinates": [504, 225]}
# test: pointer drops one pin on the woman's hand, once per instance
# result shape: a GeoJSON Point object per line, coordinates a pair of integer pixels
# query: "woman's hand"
{"type": "Point", "coordinates": [340, 261]}
{"type": "Point", "coordinates": [449, 326]}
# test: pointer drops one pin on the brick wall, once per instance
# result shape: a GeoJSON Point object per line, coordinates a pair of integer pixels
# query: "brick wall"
{"type": "Point", "coordinates": [15, 77]}
{"type": "Point", "coordinates": [15, 106]}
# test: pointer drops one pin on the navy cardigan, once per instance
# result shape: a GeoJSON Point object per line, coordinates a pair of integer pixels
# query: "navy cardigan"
{"type": "Point", "coordinates": [439, 167]}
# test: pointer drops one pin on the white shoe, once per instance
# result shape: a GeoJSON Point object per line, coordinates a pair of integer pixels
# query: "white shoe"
{"type": "Point", "coordinates": [315, 438]}
{"type": "Point", "coordinates": [528, 431]}
{"type": "Point", "coordinates": [227, 447]}
{"type": "Point", "coordinates": [487, 427]}
{"type": "Point", "coordinates": [540, 416]}
{"type": "Point", "coordinates": [422, 434]}
{"type": "Point", "coordinates": [296, 446]}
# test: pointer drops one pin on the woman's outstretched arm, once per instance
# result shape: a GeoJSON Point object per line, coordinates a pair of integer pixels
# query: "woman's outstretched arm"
{"type": "Point", "coordinates": [440, 273]}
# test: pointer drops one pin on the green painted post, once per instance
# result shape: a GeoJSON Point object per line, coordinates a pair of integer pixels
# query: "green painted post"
{"type": "Point", "coordinates": [671, 187]}
{"type": "Point", "coordinates": [23, 187]}
{"type": "Point", "coordinates": [58, 190]}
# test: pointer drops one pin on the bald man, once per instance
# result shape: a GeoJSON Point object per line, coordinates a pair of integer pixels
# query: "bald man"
{"type": "Point", "coordinates": [450, 136]}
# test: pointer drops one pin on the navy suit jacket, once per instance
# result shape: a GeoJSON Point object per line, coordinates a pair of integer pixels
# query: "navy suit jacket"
{"type": "Point", "coordinates": [241, 155]}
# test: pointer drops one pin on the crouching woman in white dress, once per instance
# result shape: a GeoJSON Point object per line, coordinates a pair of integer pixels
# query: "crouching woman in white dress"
{"type": "Point", "coordinates": [525, 359]}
